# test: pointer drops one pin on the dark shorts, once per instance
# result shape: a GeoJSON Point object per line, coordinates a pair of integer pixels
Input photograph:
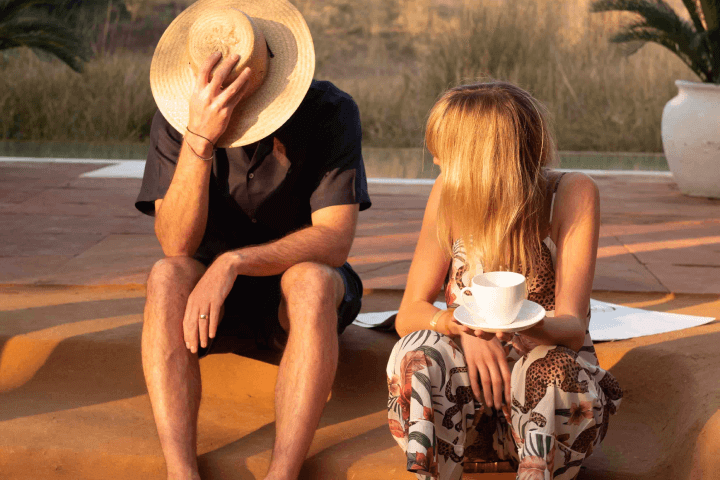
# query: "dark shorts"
{"type": "Point", "coordinates": [251, 313]}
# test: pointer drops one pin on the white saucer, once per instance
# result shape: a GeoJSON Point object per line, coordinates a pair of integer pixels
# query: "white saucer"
{"type": "Point", "coordinates": [530, 314]}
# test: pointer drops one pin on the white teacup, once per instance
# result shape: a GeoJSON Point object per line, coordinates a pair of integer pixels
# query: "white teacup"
{"type": "Point", "coordinates": [496, 296]}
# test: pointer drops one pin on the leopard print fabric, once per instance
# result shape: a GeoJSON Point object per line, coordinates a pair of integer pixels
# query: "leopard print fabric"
{"type": "Point", "coordinates": [463, 395]}
{"type": "Point", "coordinates": [434, 418]}
{"type": "Point", "coordinates": [568, 398]}
{"type": "Point", "coordinates": [558, 369]}
{"type": "Point", "coordinates": [541, 288]}
{"type": "Point", "coordinates": [447, 451]}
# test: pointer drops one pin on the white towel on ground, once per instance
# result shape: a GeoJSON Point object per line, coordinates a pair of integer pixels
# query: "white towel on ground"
{"type": "Point", "coordinates": [608, 321]}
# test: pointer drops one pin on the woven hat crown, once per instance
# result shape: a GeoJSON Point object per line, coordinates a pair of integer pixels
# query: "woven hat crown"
{"type": "Point", "coordinates": [271, 38]}
{"type": "Point", "coordinates": [229, 31]}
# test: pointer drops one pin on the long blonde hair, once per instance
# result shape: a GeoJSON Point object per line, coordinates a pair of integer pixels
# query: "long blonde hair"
{"type": "Point", "coordinates": [492, 143]}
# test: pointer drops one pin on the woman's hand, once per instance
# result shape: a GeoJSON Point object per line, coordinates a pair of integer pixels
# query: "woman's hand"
{"type": "Point", "coordinates": [488, 368]}
{"type": "Point", "coordinates": [210, 104]}
{"type": "Point", "coordinates": [448, 325]}
{"type": "Point", "coordinates": [478, 333]}
{"type": "Point", "coordinates": [522, 343]}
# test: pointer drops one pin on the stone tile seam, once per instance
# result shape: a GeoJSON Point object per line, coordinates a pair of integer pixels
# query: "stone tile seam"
{"type": "Point", "coordinates": [644, 265]}
{"type": "Point", "coordinates": [59, 268]}
{"type": "Point", "coordinates": [383, 266]}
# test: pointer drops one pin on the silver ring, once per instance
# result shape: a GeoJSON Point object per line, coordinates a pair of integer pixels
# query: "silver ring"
{"type": "Point", "coordinates": [203, 317]}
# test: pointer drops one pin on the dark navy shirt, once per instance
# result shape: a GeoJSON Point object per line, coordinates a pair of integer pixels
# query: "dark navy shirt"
{"type": "Point", "coordinates": [265, 191]}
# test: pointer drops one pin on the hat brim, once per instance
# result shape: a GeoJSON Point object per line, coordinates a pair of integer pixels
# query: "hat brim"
{"type": "Point", "coordinates": [288, 78]}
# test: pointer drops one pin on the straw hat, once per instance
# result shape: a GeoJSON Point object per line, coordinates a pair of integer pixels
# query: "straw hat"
{"type": "Point", "coordinates": [270, 36]}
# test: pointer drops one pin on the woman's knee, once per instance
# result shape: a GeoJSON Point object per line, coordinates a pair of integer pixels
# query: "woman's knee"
{"type": "Point", "coordinates": [440, 349]}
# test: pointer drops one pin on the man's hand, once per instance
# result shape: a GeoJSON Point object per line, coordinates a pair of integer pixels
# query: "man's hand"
{"type": "Point", "coordinates": [205, 303]}
{"type": "Point", "coordinates": [486, 360]}
{"type": "Point", "coordinates": [210, 104]}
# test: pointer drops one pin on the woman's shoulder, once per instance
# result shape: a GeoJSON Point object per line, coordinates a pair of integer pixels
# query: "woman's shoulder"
{"type": "Point", "coordinates": [577, 198]}
{"type": "Point", "coordinates": [576, 187]}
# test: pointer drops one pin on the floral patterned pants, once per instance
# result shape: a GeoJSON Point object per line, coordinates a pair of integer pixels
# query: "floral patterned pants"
{"type": "Point", "coordinates": [560, 411]}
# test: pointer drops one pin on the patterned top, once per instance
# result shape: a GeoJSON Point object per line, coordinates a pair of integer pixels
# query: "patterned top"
{"type": "Point", "coordinates": [541, 288]}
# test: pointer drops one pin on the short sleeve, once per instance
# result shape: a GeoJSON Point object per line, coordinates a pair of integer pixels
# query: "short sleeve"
{"type": "Point", "coordinates": [341, 180]}
{"type": "Point", "coordinates": [165, 143]}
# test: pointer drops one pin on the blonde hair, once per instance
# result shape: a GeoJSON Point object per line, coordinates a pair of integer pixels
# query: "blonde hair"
{"type": "Point", "coordinates": [492, 143]}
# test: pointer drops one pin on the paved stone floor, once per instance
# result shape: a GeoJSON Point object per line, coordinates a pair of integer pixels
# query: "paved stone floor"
{"type": "Point", "coordinates": [74, 255]}
{"type": "Point", "coordinates": [57, 228]}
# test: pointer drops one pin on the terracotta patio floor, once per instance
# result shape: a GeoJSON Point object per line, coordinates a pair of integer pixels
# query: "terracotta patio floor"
{"type": "Point", "coordinates": [74, 256]}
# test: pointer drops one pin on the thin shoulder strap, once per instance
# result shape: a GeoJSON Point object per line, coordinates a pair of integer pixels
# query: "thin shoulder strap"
{"type": "Point", "coordinates": [555, 189]}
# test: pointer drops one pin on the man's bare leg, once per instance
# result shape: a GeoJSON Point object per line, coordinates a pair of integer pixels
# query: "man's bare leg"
{"type": "Point", "coordinates": [172, 373]}
{"type": "Point", "coordinates": [311, 295]}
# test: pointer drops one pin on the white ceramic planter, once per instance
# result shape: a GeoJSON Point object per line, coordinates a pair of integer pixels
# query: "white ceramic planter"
{"type": "Point", "coordinates": [691, 138]}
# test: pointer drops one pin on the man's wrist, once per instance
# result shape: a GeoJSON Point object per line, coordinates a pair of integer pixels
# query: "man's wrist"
{"type": "Point", "coordinates": [199, 146]}
{"type": "Point", "coordinates": [235, 260]}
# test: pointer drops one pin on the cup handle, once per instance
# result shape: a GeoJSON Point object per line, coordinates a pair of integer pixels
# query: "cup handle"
{"type": "Point", "coordinates": [471, 305]}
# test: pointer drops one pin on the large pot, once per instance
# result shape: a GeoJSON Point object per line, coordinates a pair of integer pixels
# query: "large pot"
{"type": "Point", "coordinates": [691, 138]}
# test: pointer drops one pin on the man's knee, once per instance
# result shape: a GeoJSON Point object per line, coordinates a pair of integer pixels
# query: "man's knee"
{"type": "Point", "coordinates": [313, 285]}
{"type": "Point", "coordinates": [173, 275]}
{"type": "Point", "coordinates": [170, 282]}
{"type": "Point", "coordinates": [175, 271]}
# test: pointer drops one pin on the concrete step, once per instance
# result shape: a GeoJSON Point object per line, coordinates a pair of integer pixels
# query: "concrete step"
{"type": "Point", "coordinates": [73, 402]}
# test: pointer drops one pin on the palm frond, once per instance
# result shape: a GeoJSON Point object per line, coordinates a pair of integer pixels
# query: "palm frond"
{"type": "Point", "coordinates": [645, 35]}
{"type": "Point", "coordinates": [711, 12]}
{"type": "Point", "coordinates": [54, 46]}
{"type": "Point", "coordinates": [47, 34]}
{"type": "Point", "coordinates": [640, 7]}
{"type": "Point", "coordinates": [696, 42]}
{"type": "Point", "coordinates": [657, 14]}
{"type": "Point", "coordinates": [695, 14]}
{"type": "Point", "coordinates": [679, 31]}
{"type": "Point", "coordinates": [12, 8]}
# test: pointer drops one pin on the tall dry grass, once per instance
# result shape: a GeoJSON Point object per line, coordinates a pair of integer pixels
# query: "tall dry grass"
{"type": "Point", "coordinates": [395, 57]}
{"type": "Point", "coordinates": [110, 102]}
{"type": "Point", "coordinates": [600, 98]}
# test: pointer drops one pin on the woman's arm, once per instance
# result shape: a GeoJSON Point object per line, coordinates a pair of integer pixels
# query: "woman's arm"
{"type": "Point", "coordinates": [425, 279]}
{"type": "Point", "coordinates": [487, 367]}
{"type": "Point", "coordinates": [575, 231]}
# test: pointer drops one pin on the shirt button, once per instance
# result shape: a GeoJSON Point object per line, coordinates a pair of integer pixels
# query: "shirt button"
{"type": "Point", "coordinates": [254, 220]}
{"type": "Point", "coordinates": [251, 175]}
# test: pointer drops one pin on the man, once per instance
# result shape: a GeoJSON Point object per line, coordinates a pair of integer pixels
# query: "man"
{"type": "Point", "coordinates": [256, 234]}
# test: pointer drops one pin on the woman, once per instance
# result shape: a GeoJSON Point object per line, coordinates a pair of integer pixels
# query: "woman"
{"type": "Point", "coordinates": [538, 398]}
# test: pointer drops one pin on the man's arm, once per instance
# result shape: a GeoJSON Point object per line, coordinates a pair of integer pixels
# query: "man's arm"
{"type": "Point", "coordinates": [181, 216]}
{"type": "Point", "coordinates": [327, 241]}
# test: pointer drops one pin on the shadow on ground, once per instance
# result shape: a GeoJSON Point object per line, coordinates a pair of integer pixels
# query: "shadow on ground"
{"type": "Point", "coordinates": [67, 357]}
